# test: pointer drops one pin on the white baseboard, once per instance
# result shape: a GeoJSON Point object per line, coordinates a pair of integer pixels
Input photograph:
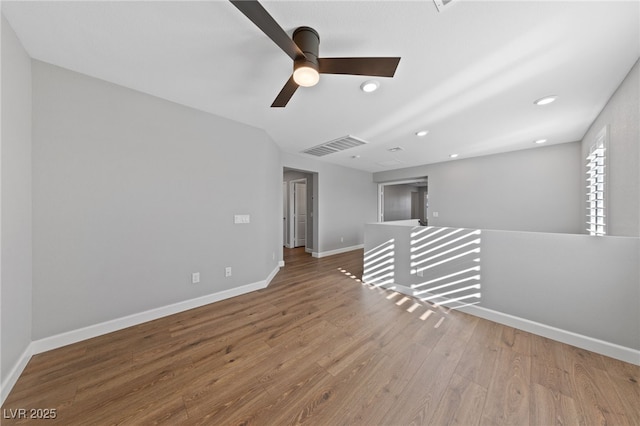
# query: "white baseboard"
{"type": "Point", "coordinates": [110, 326]}
{"type": "Point", "coordinates": [308, 250]}
{"type": "Point", "coordinates": [270, 277]}
{"type": "Point", "coordinates": [336, 251]}
{"type": "Point", "coordinates": [602, 347]}
{"type": "Point", "coordinates": [15, 373]}
{"type": "Point", "coordinates": [74, 336]}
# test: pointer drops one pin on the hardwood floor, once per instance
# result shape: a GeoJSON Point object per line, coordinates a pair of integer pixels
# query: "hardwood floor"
{"type": "Point", "coordinates": [318, 347]}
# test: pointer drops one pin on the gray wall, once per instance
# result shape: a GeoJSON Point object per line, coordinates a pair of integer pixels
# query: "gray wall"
{"type": "Point", "coordinates": [536, 190]}
{"type": "Point", "coordinates": [346, 200]}
{"type": "Point", "coordinates": [16, 248]}
{"type": "Point", "coordinates": [623, 178]}
{"type": "Point", "coordinates": [397, 202]}
{"type": "Point", "coordinates": [577, 283]}
{"type": "Point", "coordinates": [133, 193]}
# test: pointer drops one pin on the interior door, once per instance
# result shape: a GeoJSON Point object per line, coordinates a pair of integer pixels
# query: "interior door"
{"type": "Point", "coordinates": [285, 213]}
{"type": "Point", "coordinates": [300, 213]}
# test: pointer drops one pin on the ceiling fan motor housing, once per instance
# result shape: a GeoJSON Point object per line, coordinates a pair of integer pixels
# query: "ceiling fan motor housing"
{"type": "Point", "coordinates": [308, 41]}
{"type": "Point", "coordinates": [303, 49]}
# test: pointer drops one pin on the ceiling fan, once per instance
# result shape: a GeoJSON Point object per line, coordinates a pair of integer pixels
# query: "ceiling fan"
{"type": "Point", "coordinates": [303, 49]}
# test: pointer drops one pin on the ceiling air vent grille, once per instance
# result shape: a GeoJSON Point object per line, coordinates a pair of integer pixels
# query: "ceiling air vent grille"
{"type": "Point", "coordinates": [440, 4]}
{"type": "Point", "coordinates": [336, 145]}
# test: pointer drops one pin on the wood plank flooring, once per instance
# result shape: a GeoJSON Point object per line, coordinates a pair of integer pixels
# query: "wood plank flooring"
{"type": "Point", "coordinates": [319, 347]}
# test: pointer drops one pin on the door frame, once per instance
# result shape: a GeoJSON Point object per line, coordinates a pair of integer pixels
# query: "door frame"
{"type": "Point", "coordinates": [285, 214]}
{"type": "Point", "coordinates": [291, 217]}
{"type": "Point", "coordinates": [397, 182]}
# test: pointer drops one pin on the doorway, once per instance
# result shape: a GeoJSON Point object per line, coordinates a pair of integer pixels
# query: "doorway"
{"type": "Point", "coordinates": [299, 226]}
{"type": "Point", "coordinates": [298, 212]}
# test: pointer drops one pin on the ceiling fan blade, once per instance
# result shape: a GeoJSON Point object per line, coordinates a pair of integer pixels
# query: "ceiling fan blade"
{"type": "Point", "coordinates": [378, 67]}
{"type": "Point", "coordinates": [259, 16]}
{"type": "Point", "coordinates": [285, 94]}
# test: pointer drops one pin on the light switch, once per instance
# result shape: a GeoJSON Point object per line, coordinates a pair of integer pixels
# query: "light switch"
{"type": "Point", "coordinates": [242, 218]}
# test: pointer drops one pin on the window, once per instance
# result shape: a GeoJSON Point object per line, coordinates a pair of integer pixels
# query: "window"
{"type": "Point", "coordinates": [596, 185]}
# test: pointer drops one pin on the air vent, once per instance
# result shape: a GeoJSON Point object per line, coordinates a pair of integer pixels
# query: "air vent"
{"type": "Point", "coordinates": [336, 145]}
{"type": "Point", "coordinates": [441, 4]}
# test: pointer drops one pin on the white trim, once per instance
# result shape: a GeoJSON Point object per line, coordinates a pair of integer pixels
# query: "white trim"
{"type": "Point", "coordinates": [74, 336]}
{"type": "Point", "coordinates": [308, 250]}
{"type": "Point", "coordinates": [285, 214]}
{"type": "Point", "coordinates": [336, 251]}
{"type": "Point", "coordinates": [269, 278]}
{"type": "Point", "coordinates": [292, 217]}
{"type": "Point", "coordinates": [602, 347]}
{"type": "Point", "coordinates": [381, 202]}
{"type": "Point", "coordinates": [574, 339]}
{"type": "Point", "coordinates": [381, 186]}
{"type": "Point", "coordinates": [15, 373]}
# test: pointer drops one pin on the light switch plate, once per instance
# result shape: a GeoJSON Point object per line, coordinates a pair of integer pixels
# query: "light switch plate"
{"type": "Point", "coordinates": [242, 218]}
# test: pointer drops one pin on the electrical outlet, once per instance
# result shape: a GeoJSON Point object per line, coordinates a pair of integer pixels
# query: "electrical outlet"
{"type": "Point", "coordinates": [195, 278]}
{"type": "Point", "coordinates": [342, 239]}
{"type": "Point", "coordinates": [435, 214]}
{"type": "Point", "coordinates": [227, 271]}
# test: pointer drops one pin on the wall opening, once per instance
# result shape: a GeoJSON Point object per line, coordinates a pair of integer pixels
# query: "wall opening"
{"type": "Point", "coordinates": [404, 200]}
{"type": "Point", "coordinates": [299, 233]}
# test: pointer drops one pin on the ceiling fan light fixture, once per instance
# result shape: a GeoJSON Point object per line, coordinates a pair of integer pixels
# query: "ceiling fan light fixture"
{"type": "Point", "coordinates": [303, 48]}
{"type": "Point", "coordinates": [370, 86]}
{"type": "Point", "coordinates": [539, 141]}
{"type": "Point", "coordinates": [422, 133]}
{"type": "Point", "coordinates": [306, 76]}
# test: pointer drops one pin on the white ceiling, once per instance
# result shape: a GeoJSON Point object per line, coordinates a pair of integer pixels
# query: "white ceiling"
{"type": "Point", "coordinates": [468, 74]}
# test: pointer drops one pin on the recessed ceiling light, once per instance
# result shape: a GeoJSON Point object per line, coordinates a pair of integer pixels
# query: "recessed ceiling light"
{"type": "Point", "coordinates": [396, 149]}
{"type": "Point", "coordinates": [355, 157]}
{"type": "Point", "coordinates": [539, 141]}
{"type": "Point", "coordinates": [546, 100]}
{"type": "Point", "coordinates": [422, 133]}
{"type": "Point", "coordinates": [370, 86]}
{"type": "Point", "coordinates": [453, 155]}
